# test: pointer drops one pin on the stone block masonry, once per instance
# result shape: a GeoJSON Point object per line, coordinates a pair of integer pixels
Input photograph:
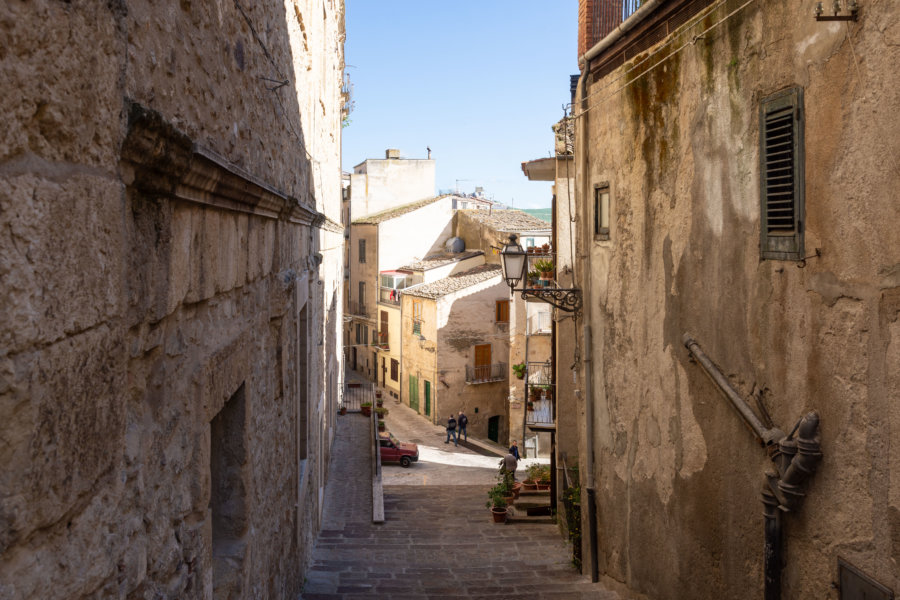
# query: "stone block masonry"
{"type": "Point", "coordinates": [170, 265]}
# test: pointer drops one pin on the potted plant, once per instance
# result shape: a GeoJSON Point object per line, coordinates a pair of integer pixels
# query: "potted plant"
{"type": "Point", "coordinates": [545, 267]}
{"type": "Point", "coordinates": [378, 399]}
{"type": "Point", "coordinates": [497, 503]}
{"type": "Point", "coordinates": [381, 425]}
{"type": "Point", "coordinates": [366, 409]}
{"type": "Point", "coordinates": [343, 410]}
{"type": "Point", "coordinates": [533, 475]}
{"type": "Point", "coordinates": [519, 370]}
{"type": "Point", "coordinates": [533, 277]}
{"type": "Point", "coordinates": [543, 481]}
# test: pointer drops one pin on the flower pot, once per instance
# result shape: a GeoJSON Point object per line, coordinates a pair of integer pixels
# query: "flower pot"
{"type": "Point", "coordinates": [510, 499]}
{"type": "Point", "coordinates": [543, 485]}
{"type": "Point", "coordinates": [366, 411]}
{"type": "Point", "coordinates": [529, 485]}
{"type": "Point", "coordinates": [499, 514]}
{"type": "Point", "coordinates": [343, 410]}
{"type": "Point", "coordinates": [517, 488]}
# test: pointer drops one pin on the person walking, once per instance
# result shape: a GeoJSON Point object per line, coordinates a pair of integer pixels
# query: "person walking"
{"type": "Point", "coordinates": [514, 450]}
{"type": "Point", "coordinates": [509, 464]}
{"type": "Point", "coordinates": [461, 423]}
{"type": "Point", "coordinates": [451, 430]}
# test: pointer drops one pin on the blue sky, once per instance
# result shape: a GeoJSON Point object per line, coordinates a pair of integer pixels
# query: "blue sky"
{"type": "Point", "coordinates": [480, 82]}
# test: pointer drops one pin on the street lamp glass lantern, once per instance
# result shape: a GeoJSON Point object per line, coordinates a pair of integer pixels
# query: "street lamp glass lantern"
{"type": "Point", "coordinates": [512, 260]}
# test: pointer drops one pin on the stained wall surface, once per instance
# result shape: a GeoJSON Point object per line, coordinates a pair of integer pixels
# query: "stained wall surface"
{"type": "Point", "coordinates": [169, 339]}
{"type": "Point", "coordinates": [678, 475]}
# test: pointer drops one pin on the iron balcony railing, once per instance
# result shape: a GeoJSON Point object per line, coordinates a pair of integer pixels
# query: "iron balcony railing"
{"type": "Point", "coordinates": [358, 308]}
{"type": "Point", "coordinates": [389, 295]}
{"type": "Point", "coordinates": [486, 373]}
{"type": "Point", "coordinates": [609, 14]}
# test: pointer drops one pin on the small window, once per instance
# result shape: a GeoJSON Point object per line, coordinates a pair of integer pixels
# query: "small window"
{"type": "Point", "coordinates": [501, 312]}
{"type": "Point", "coordinates": [781, 181]}
{"type": "Point", "coordinates": [362, 293]}
{"type": "Point", "coordinates": [362, 251]}
{"type": "Point", "coordinates": [601, 212]}
{"type": "Point", "coordinates": [395, 370]}
{"type": "Point", "coordinates": [529, 242]}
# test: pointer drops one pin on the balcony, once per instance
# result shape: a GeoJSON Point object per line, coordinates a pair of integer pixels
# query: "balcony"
{"type": "Point", "coordinates": [389, 296]}
{"type": "Point", "coordinates": [358, 308]}
{"type": "Point", "coordinates": [486, 373]}
{"type": "Point", "coordinates": [382, 340]}
{"type": "Point", "coordinates": [540, 405]}
{"type": "Point", "coordinates": [540, 323]}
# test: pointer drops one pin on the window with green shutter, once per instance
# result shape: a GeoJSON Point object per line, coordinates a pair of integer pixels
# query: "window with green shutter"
{"type": "Point", "coordinates": [781, 179]}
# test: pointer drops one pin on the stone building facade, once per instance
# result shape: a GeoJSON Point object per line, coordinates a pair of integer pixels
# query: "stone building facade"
{"type": "Point", "coordinates": [678, 126]}
{"type": "Point", "coordinates": [171, 272]}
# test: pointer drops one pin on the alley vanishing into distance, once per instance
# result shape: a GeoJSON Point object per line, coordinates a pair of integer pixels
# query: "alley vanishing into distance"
{"type": "Point", "coordinates": [437, 540]}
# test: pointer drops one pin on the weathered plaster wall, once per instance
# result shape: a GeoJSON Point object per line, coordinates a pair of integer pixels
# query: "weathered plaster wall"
{"type": "Point", "coordinates": [131, 314]}
{"type": "Point", "coordinates": [466, 319]}
{"type": "Point", "coordinates": [420, 351]}
{"type": "Point", "coordinates": [678, 475]}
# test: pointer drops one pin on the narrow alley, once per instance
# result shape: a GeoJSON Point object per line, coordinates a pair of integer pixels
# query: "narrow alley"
{"type": "Point", "coordinates": [437, 539]}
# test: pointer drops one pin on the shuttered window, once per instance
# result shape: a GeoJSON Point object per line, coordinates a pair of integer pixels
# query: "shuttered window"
{"type": "Point", "coordinates": [781, 158]}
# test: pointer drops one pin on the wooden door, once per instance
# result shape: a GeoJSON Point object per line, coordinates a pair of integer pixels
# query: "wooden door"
{"type": "Point", "coordinates": [482, 362]}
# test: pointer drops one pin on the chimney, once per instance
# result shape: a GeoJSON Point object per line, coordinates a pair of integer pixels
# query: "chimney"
{"type": "Point", "coordinates": [392, 153]}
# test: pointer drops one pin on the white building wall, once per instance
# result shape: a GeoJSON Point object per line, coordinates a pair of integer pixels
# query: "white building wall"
{"type": "Point", "coordinates": [380, 184]}
{"type": "Point", "coordinates": [414, 235]}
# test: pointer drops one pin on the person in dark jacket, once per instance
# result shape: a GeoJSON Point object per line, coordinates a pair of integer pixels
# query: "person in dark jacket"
{"type": "Point", "coordinates": [451, 430]}
{"type": "Point", "coordinates": [461, 422]}
{"type": "Point", "coordinates": [514, 450]}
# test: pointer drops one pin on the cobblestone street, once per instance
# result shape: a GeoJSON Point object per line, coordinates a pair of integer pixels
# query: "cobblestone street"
{"type": "Point", "coordinates": [437, 541]}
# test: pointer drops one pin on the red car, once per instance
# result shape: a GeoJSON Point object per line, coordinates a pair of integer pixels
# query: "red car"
{"type": "Point", "coordinates": [393, 450]}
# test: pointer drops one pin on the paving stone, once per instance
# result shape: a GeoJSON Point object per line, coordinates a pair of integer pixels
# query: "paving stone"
{"type": "Point", "coordinates": [437, 541]}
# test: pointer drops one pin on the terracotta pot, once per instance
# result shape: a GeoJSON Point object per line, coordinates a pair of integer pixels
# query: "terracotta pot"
{"type": "Point", "coordinates": [499, 514]}
{"type": "Point", "coordinates": [510, 499]}
{"type": "Point", "coordinates": [366, 411]}
{"type": "Point", "coordinates": [529, 485]}
{"type": "Point", "coordinates": [343, 410]}
{"type": "Point", "coordinates": [517, 488]}
{"type": "Point", "coordinates": [543, 485]}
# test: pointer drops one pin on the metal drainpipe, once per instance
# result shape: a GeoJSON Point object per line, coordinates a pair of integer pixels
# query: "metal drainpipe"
{"type": "Point", "coordinates": [795, 461]}
{"type": "Point", "coordinates": [587, 356]}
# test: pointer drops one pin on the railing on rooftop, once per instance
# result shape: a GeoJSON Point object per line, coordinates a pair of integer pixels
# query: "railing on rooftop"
{"type": "Point", "coordinates": [388, 295]}
{"type": "Point", "coordinates": [609, 14]}
{"type": "Point", "coordinates": [486, 373]}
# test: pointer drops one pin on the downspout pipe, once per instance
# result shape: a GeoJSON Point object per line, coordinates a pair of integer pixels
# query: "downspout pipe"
{"type": "Point", "coordinates": [616, 34]}
{"type": "Point", "coordinates": [765, 435]}
{"type": "Point", "coordinates": [587, 338]}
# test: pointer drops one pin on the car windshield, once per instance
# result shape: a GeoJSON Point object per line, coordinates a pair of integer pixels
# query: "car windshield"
{"type": "Point", "coordinates": [394, 440]}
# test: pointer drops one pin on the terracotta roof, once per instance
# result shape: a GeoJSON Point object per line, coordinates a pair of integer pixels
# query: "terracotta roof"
{"type": "Point", "coordinates": [510, 221]}
{"type": "Point", "coordinates": [395, 212]}
{"type": "Point", "coordinates": [454, 283]}
{"type": "Point", "coordinates": [434, 261]}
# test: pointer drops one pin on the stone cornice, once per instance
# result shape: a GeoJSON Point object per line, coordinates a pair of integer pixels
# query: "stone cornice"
{"type": "Point", "coordinates": [163, 160]}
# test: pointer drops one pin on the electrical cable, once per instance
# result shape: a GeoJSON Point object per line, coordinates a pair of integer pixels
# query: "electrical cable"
{"type": "Point", "coordinates": [673, 36]}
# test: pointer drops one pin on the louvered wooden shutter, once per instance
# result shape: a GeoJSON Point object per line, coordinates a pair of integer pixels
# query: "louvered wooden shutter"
{"type": "Point", "coordinates": [781, 175]}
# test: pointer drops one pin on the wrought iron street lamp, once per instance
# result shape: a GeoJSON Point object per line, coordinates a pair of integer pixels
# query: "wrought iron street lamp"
{"type": "Point", "coordinates": [514, 263]}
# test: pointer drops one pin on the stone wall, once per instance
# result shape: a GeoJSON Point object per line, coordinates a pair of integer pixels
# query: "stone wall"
{"type": "Point", "coordinates": [170, 281]}
{"type": "Point", "coordinates": [678, 475]}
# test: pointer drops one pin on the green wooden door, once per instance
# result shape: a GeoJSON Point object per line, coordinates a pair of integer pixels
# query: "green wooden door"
{"type": "Point", "coordinates": [494, 429]}
{"type": "Point", "coordinates": [414, 393]}
{"type": "Point", "coordinates": [427, 398]}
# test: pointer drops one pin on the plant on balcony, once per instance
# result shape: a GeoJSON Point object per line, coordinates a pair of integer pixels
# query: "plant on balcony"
{"type": "Point", "coordinates": [366, 409]}
{"type": "Point", "coordinates": [545, 267]}
{"type": "Point", "coordinates": [381, 425]}
{"type": "Point", "coordinates": [533, 277]}
{"type": "Point", "coordinates": [381, 411]}
{"type": "Point", "coordinates": [519, 370]}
